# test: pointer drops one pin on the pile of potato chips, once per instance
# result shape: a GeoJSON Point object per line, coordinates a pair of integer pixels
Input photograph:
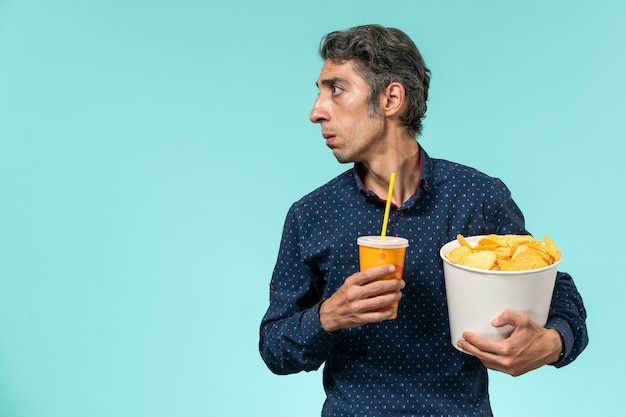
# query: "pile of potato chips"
{"type": "Point", "coordinates": [505, 253]}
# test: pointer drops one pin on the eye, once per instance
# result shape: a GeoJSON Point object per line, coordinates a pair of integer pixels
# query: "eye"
{"type": "Point", "coordinates": [336, 90]}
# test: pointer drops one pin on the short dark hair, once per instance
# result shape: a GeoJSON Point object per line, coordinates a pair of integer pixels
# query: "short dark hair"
{"type": "Point", "coordinates": [383, 56]}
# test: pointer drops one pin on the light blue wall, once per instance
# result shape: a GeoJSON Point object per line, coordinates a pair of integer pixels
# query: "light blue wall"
{"type": "Point", "coordinates": [141, 142]}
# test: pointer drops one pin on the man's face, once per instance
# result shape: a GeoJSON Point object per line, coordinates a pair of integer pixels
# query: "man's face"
{"type": "Point", "coordinates": [342, 110]}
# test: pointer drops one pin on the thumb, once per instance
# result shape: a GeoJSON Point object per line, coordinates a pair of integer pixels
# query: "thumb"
{"type": "Point", "coordinates": [508, 317]}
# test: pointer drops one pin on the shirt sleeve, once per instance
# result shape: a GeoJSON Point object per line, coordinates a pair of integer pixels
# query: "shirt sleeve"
{"type": "Point", "coordinates": [292, 338]}
{"type": "Point", "coordinates": [568, 316]}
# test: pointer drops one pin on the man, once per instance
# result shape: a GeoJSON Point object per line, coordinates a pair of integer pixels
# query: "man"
{"type": "Point", "coordinates": [373, 89]}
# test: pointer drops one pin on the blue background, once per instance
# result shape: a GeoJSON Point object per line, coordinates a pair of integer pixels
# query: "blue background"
{"type": "Point", "coordinates": [149, 151]}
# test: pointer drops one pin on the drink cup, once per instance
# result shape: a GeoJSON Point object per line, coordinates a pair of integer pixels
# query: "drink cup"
{"type": "Point", "coordinates": [378, 250]}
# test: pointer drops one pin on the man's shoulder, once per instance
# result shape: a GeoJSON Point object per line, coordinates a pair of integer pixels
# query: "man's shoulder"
{"type": "Point", "coordinates": [447, 167]}
{"type": "Point", "coordinates": [341, 184]}
{"type": "Point", "coordinates": [338, 187]}
{"type": "Point", "coordinates": [444, 170]}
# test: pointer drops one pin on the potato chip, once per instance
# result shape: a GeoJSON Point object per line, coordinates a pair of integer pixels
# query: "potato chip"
{"type": "Point", "coordinates": [551, 248]}
{"type": "Point", "coordinates": [482, 259]}
{"type": "Point", "coordinates": [523, 259]}
{"type": "Point", "coordinates": [492, 240]}
{"type": "Point", "coordinates": [456, 255]}
{"type": "Point", "coordinates": [516, 240]}
{"type": "Point", "coordinates": [505, 253]}
{"type": "Point", "coordinates": [541, 251]}
{"type": "Point", "coordinates": [462, 241]}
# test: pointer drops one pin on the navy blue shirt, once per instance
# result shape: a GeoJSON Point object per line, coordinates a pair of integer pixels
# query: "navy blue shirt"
{"type": "Point", "coordinates": [407, 366]}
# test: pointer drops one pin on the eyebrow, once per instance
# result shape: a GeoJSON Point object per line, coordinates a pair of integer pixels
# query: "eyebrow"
{"type": "Point", "coordinates": [331, 81]}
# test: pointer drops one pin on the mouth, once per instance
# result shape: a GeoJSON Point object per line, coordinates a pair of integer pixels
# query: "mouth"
{"type": "Point", "coordinates": [330, 138]}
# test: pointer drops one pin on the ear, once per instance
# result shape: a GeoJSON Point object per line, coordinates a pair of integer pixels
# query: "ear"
{"type": "Point", "coordinates": [394, 99]}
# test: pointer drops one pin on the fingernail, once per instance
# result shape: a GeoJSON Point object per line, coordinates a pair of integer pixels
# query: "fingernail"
{"type": "Point", "coordinates": [392, 268]}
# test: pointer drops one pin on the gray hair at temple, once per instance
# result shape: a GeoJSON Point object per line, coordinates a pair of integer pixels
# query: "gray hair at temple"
{"type": "Point", "coordinates": [383, 56]}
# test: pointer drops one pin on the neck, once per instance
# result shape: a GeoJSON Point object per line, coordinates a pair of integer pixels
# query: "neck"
{"type": "Point", "coordinates": [404, 161]}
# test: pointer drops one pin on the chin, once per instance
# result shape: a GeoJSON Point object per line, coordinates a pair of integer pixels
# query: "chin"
{"type": "Point", "coordinates": [342, 159]}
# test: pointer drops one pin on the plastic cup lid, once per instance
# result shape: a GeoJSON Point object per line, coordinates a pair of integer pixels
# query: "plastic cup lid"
{"type": "Point", "coordinates": [383, 242]}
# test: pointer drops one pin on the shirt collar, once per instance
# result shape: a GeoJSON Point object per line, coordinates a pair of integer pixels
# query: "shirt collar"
{"type": "Point", "coordinates": [423, 184]}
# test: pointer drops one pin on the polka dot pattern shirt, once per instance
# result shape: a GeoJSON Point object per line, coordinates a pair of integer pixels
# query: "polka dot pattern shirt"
{"type": "Point", "coordinates": [406, 366]}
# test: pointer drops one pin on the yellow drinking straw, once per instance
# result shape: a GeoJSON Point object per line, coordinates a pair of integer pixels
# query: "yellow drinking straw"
{"type": "Point", "coordinates": [383, 233]}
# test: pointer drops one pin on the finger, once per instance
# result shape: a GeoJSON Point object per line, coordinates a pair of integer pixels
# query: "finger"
{"type": "Point", "coordinates": [379, 302]}
{"type": "Point", "coordinates": [508, 317]}
{"type": "Point", "coordinates": [372, 274]}
{"type": "Point", "coordinates": [382, 286]}
{"type": "Point", "coordinates": [476, 344]}
{"type": "Point", "coordinates": [516, 320]}
{"type": "Point", "coordinates": [372, 317]}
{"type": "Point", "coordinates": [379, 314]}
{"type": "Point", "coordinates": [490, 360]}
{"type": "Point", "coordinates": [468, 347]}
{"type": "Point", "coordinates": [388, 312]}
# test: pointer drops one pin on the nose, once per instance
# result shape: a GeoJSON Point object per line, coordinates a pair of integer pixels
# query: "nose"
{"type": "Point", "coordinates": [319, 113]}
